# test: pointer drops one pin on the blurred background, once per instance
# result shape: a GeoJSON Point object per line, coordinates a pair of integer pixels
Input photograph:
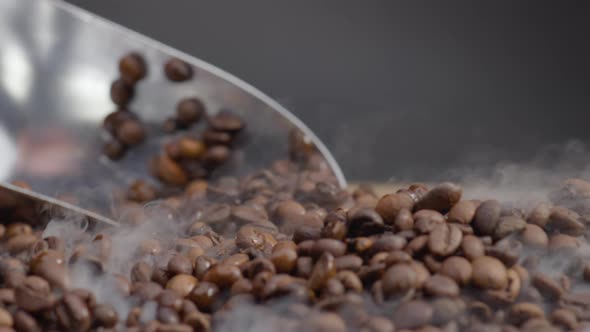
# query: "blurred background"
{"type": "Point", "coordinates": [398, 90]}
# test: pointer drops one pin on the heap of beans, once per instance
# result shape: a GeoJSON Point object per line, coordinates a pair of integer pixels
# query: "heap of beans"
{"type": "Point", "coordinates": [285, 249]}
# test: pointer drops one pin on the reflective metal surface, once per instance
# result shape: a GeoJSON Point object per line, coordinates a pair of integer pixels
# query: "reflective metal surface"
{"type": "Point", "coordinates": [56, 66]}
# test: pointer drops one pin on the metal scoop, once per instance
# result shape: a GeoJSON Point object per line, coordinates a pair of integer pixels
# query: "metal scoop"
{"type": "Point", "coordinates": [57, 63]}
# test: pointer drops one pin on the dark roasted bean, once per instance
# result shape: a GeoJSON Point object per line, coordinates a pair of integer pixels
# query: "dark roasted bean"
{"type": "Point", "coordinates": [177, 70]}
{"type": "Point", "coordinates": [412, 314]}
{"type": "Point", "coordinates": [189, 111]}
{"type": "Point", "coordinates": [440, 198]}
{"type": "Point", "coordinates": [486, 217]}
{"type": "Point", "coordinates": [132, 67]}
{"type": "Point", "coordinates": [489, 272]}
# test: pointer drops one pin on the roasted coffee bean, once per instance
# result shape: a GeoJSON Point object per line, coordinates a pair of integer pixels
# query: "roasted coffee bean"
{"type": "Point", "coordinates": [113, 149]}
{"type": "Point", "coordinates": [472, 247]}
{"type": "Point", "coordinates": [565, 221]}
{"type": "Point", "coordinates": [167, 315]}
{"type": "Point", "coordinates": [563, 242]}
{"type": "Point", "coordinates": [121, 92]}
{"type": "Point", "coordinates": [489, 272]}
{"type": "Point", "coordinates": [458, 269]}
{"type": "Point", "coordinates": [34, 294]}
{"type": "Point", "coordinates": [226, 121]}
{"type": "Point", "coordinates": [399, 279]}
{"type": "Point", "coordinates": [141, 272]}
{"type": "Point", "coordinates": [132, 67]}
{"type": "Point", "coordinates": [404, 220]}
{"type": "Point", "coordinates": [204, 295]}
{"type": "Point", "coordinates": [378, 324]}
{"type": "Point", "coordinates": [535, 236]}
{"type": "Point", "coordinates": [440, 198]}
{"type": "Point", "coordinates": [284, 259]}
{"type": "Point", "coordinates": [177, 70]}
{"type": "Point", "coordinates": [180, 264]}
{"type": "Point", "coordinates": [540, 215]}
{"type": "Point", "coordinates": [223, 275]}
{"type": "Point", "coordinates": [73, 314]}
{"type": "Point", "coordinates": [189, 111]}
{"type": "Point", "coordinates": [413, 314]}
{"type": "Point", "coordinates": [564, 318]}
{"type": "Point", "coordinates": [548, 287]}
{"type": "Point", "coordinates": [20, 243]}
{"type": "Point", "coordinates": [388, 243]}
{"type": "Point", "coordinates": [105, 316]}
{"type": "Point", "coordinates": [304, 267]}
{"type": "Point", "coordinates": [444, 239]}
{"type": "Point", "coordinates": [323, 270]}
{"type": "Point", "coordinates": [426, 220]}
{"type": "Point", "coordinates": [169, 171]}
{"type": "Point", "coordinates": [507, 250]}
{"type": "Point", "coordinates": [324, 322]}
{"type": "Point", "coordinates": [522, 312]}
{"type": "Point", "coordinates": [463, 212]}
{"type": "Point", "coordinates": [5, 318]}
{"type": "Point", "coordinates": [390, 205]}
{"type": "Point", "coordinates": [25, 322]}
{"type": "Point", "coordinates": [364, 222]}
{"type": "Point", "coordinates": [508, 225]}
{"type": "Point", "coordinates": [486, 217]}
{"type": "Point", "coordinates": [417, 245]}
{"type": "Point", "coordinates": [212, 137]}
{"type": "Point", "coordinates": [440, 285]}
{"type": "Point", "coordinates": [216, 155]}
{"type": "Point", "coordinates": [146, 291]}
{"type": "Point", "coordinates": [183, 284]}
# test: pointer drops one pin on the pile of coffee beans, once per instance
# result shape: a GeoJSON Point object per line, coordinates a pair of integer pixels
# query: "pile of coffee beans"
{"type": "Point", "coordinates": [286, 249]}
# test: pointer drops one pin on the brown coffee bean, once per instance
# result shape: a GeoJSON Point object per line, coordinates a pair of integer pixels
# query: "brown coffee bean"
{"type": "Point", "coordinates": [132, 67]}
{"type": "Point", "coordinates": [5, 318]}
{"type": "Point", "coordinates": [198, 321]}
{"type": "Point", "coordinates": [113, 150]}
{"type": "Point", "coordinates": [304, 267]}
{"type": "Point", "coordinates": [378, 324]}
{"type": "Point", "coordinates": [508, 225]}
{"type": "Point", "coordinates": [236, 260]}
{"type": "Point", "coordinates": [563, 242]}
{"type": "Point", "coordinates": [540, 215]}
{"type": "Point", "coordinates": [426, 220]}
{"type": "Point", "coordinates": [417, 245]}
{"type": "Point", "coordinates": [564, 318]}
{"type": "Point", "coordinates": [486, 217]}
{"type": "Point", "coordinates": [404, 220]}
{"type": "Point", "coordinates": [489, 272]}
{"type": "Point", "coordinates": [223, 275]}
{"type": "Point", "coordinates": [472, 247]}
{"type": "Point", "coordinates": [323, 270]}
{"type": "Point", "coordinates": [177, 70]}
{"type": "Point", "coordinates": [548, 287]}
{"type": "Point", "coordinates": [412, 314]}
{"type": "Point", "coordinates": [216, 155]}
{"type": "Point", "coordinates": [72, 313]}
{"type": "Point", "coordinates": [183, 284]}
{"type": "Point", "coordinates": [121, 92]}
{"type": "Point", "coordinates": [204, 295]}
{"type": "Point", "coordinates": [390, 205]}
{"type": "Point", "coordinates": [446, 309]}
{"type": "Point", "coordinates": [171, 299]}
{"type": "Point", "coordinates": [507, 250]}
{"type": "Point", "coordinates": [398, 280]}
{"type": "Point", "coordinates": [440, 285]}
{"type": "Point", "coordinates": [189, 111]}
{"type": "Point", "coordinates": [534, 236]}
{"type": "Point", "coordinates": [440, 198]}
{"type": "Point", "coordinates": [34, 294]}
{"type": "Point", "coordinates": [169, 171]}
{"type": "Point", "coordinates": [387, 243]}
{"type": "Point", "coordinates": [324, 322]}
{"type": "Point", "coordinates": [180, 264]}
{"type": "Point", "coordinates": [444, 239]}
{"type": "Point", "coordinates": [565, 221]}
{"type": "Point", "coordinates": [284, 259]}
{"type": "Point", "coordinates": [521, 312]}
{"type": "Point", "coordinates": [20, 243]}
{"type": "Point", "coordinates": [130, 132]}
{"type": "Point", "coordinates": [458, 269]}
{"type": "Point", "coordinates": [226, 121]}
{"type": "Point", "coordinates": [25, 322]}
{"type": "Point", "coordinates": [141, 272]}
{"type": "Point", "coordinates": [212, 137]}
{"type": "Point", "coordinates": [364, 222]}
{"type": "Point", "coordinates": [105, 316]}
{"type": "Point", "coordinates": [463, 212]}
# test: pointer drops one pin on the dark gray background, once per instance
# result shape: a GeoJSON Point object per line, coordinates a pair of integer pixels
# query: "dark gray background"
{"type": "Point", "coordinates": [397, 89]}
